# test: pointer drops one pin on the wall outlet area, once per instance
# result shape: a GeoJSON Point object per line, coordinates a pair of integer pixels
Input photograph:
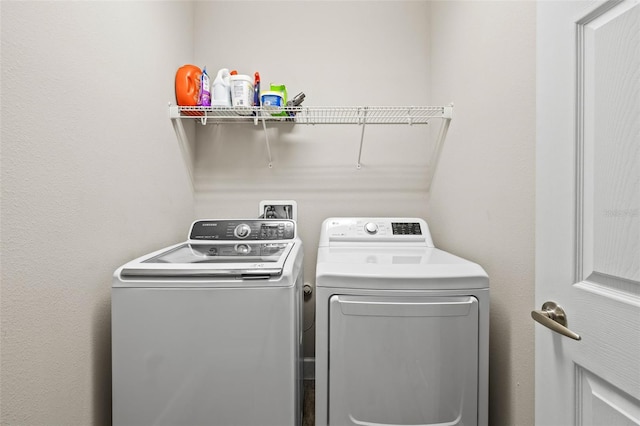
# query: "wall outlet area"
{"type": "Point", "coordinates": [278, 209]}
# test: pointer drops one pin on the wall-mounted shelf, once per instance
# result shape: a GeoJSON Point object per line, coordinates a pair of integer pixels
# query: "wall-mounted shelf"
{"type": "Point", "coordinates": [316, 115]}
{"type": "Point", "coordinates": [359, 115]}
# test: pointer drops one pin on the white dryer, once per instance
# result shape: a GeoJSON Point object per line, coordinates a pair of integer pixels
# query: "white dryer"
{"type": "Point", "coordinates": [402, 328]}
{"type": "Point", "coordinates": [209, 331]}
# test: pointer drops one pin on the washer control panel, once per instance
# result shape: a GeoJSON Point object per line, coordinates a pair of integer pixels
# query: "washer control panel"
{"type": "Point", "coordinates": [243, 229]}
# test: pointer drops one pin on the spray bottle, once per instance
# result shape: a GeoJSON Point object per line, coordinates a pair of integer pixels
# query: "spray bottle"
{"type": "Point", "coordinates": [256, 89]}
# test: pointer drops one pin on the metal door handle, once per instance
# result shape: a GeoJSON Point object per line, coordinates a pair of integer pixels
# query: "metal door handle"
{"type": "Point", "coordinates": [552, 316]}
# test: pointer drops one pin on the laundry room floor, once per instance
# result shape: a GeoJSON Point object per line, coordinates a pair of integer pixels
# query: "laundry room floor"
{"type": "Point", "coordinates": [309, 403]}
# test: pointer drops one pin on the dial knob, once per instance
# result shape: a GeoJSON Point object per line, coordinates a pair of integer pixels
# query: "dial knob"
{"type": "Point", "coordinates": [371, 228]}
{"type": "Point", "coordinates": [242, 231]}
{"type": "Point", "coordinates": [242, 249]}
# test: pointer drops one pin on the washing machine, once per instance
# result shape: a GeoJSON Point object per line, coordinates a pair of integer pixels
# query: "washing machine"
{"type": "Point", "coordinates": [208, 331]}
{"type": "Point", "coordinates": [402, 328]}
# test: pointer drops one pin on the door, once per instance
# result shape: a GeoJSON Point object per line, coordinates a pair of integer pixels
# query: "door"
{"type": "Point", "coordinates": [403, 360]}
{"type": "Point", "coordinates": [588, 212]}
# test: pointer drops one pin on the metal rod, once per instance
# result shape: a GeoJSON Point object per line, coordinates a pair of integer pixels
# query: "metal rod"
{"type": "Point", "coordinates": [435, 158]}
{"type": "Point", "coordinates": [266, 139]}
{"type": "Point", "coordinates": [185, 148]}
{"type": "Point", "coordinates": [364, 123]}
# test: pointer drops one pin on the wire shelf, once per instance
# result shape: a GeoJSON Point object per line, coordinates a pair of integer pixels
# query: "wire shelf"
{"type": "Point", "coordinates": [315, 115]}
{"type": "Point", "coordinates": [361, 115]}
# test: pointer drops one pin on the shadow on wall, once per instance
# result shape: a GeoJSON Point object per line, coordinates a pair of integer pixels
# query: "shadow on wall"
{"type": "Point", "coordinates": [312, 158]}
{"type": "Point", "coordinates": [102, 364]}
{"type": "Point", "coordinates": [499, 358]}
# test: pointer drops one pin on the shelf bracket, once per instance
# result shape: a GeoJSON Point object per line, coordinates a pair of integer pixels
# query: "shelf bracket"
{"type": "Point", "coordinates": [437, 150]}
{"type": "Point", "coordinates": [266, 139]}
{"type": "Point", "coordinates": [363, 124]}
{"type": "Point", "coordinates": [185, 148]}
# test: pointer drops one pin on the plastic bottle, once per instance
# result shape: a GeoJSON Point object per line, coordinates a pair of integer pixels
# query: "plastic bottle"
{"type": "Point", "coordinates": [275, 99]}
{"type": "Point", "coordinates": [221, 89]}
{"type": "Point", "coordinates": [205, 89]}
{"type": "Point", "coordinates": [241, 90]}
{"type": "Point", "coordinates": [256, 89]}
{"type": "Point", "coordinates": [188, 79]}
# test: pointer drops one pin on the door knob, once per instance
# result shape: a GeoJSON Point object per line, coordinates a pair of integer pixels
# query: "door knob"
{"type": "Point", "coordinates": [552, 316]}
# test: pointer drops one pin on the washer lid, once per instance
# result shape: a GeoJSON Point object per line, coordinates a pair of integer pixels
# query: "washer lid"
{"type": "Point", "coordinates": [395, 268]}
{"type": "Point", "coordinates": [239, 260]}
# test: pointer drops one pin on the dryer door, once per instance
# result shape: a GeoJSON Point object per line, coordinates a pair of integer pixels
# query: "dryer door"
{"type": "Point", "coordinates": [403, 360]}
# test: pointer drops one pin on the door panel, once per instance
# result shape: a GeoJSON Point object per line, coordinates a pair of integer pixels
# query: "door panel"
{"type": "Point", "coordinates": [608, 51]}
{"type": "Point", "coordinates": [602, 403]}
{"type": "Point", "coordinates": [400, 360]}
{"type": "Point", "coordinates": [588, 211]}
{"type": "Point", "coordinates": [606, 290]}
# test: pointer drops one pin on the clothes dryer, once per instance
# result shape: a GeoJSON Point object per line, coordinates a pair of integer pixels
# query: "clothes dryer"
{"type": "Point", "coordinates": [209, 331]}
{"type": "Point", "coordinates": [402, 328]}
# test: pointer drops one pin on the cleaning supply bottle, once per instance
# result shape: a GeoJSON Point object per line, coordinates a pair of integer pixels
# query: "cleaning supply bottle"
{"type": "Point", "coordinates": [256, 89]}
{"type": "Point", "coordinates": [275, 99]}
{"type": "Point", "coordinates": [205, 89]}
{"type": "Point", "coordinates": [241, 90]}
{"type": "Point", "coordinates": [188, 81]}
{"type": "Point", "coordinates": [221, 89]}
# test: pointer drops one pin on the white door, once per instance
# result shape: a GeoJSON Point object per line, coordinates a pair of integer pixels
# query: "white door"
{"type": "Point", "coordinates": [588, 211]}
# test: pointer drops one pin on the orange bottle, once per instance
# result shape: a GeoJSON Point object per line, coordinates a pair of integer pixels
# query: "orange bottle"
{"type": "Point", "coordinates": [188, 85]}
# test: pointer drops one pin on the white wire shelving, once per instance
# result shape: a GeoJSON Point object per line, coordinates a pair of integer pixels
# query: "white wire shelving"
{"type": "Point", "coordinates": [315, 115]}
{"type": "Point", "coordinates": [354, 115]}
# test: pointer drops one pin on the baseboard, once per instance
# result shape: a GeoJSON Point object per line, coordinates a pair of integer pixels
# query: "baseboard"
{"type": "Point", "coordinates": [309, 369]}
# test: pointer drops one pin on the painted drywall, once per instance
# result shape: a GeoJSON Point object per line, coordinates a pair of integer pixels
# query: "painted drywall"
{"type": "Point", "coordinates": [482, 202]}
{"type": "Point", "coordinates": [479, 55]}
{"type": "Point", "coordinates": [337, 53]}
{"type": "Point", "coordinates": [91, 178]}
{"type": "Point", "coordinates": [94, 177]}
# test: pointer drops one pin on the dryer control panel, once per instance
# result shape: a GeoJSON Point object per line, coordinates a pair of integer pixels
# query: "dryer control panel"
{"type": "Point", "coordinates": [243, 229]}
{"type": "Point", "coordinates": [406, 228]}
{"type": "Point", "coordinates": [375, 229]}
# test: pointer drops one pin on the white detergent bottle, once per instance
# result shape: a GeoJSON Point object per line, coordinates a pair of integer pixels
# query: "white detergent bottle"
{"type": "Point", "coordinates": [221, 89]}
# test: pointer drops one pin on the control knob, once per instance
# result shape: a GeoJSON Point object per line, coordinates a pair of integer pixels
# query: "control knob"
{"type": "Point", "coordinates": [371, 228]}
{"type": "Point", "coordinates": [242, 249]}
{"type": "Point", "coordinates": [242, 231]}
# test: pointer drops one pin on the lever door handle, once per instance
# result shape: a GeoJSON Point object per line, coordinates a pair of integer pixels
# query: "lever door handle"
{"type": "Point", "coordinates": [552, 316]}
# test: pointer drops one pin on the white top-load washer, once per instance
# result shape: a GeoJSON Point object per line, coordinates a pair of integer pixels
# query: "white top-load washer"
{"type": "Point", "coordinates": [209, 331]}
{"type": "Point", "coordinates": [402, 328]}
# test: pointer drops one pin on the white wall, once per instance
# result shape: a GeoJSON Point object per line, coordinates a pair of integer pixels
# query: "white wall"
{"type": "Point", "coordinates": [483, 201]}
{"type": "Point", "coordinates": [337, 53]}
{"type": "Point", "coordinates": [91, 177]}
{"type": "Point", "coordinates": [94, 176]}
{"type": "Point", "coordinates": [479, 55]}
